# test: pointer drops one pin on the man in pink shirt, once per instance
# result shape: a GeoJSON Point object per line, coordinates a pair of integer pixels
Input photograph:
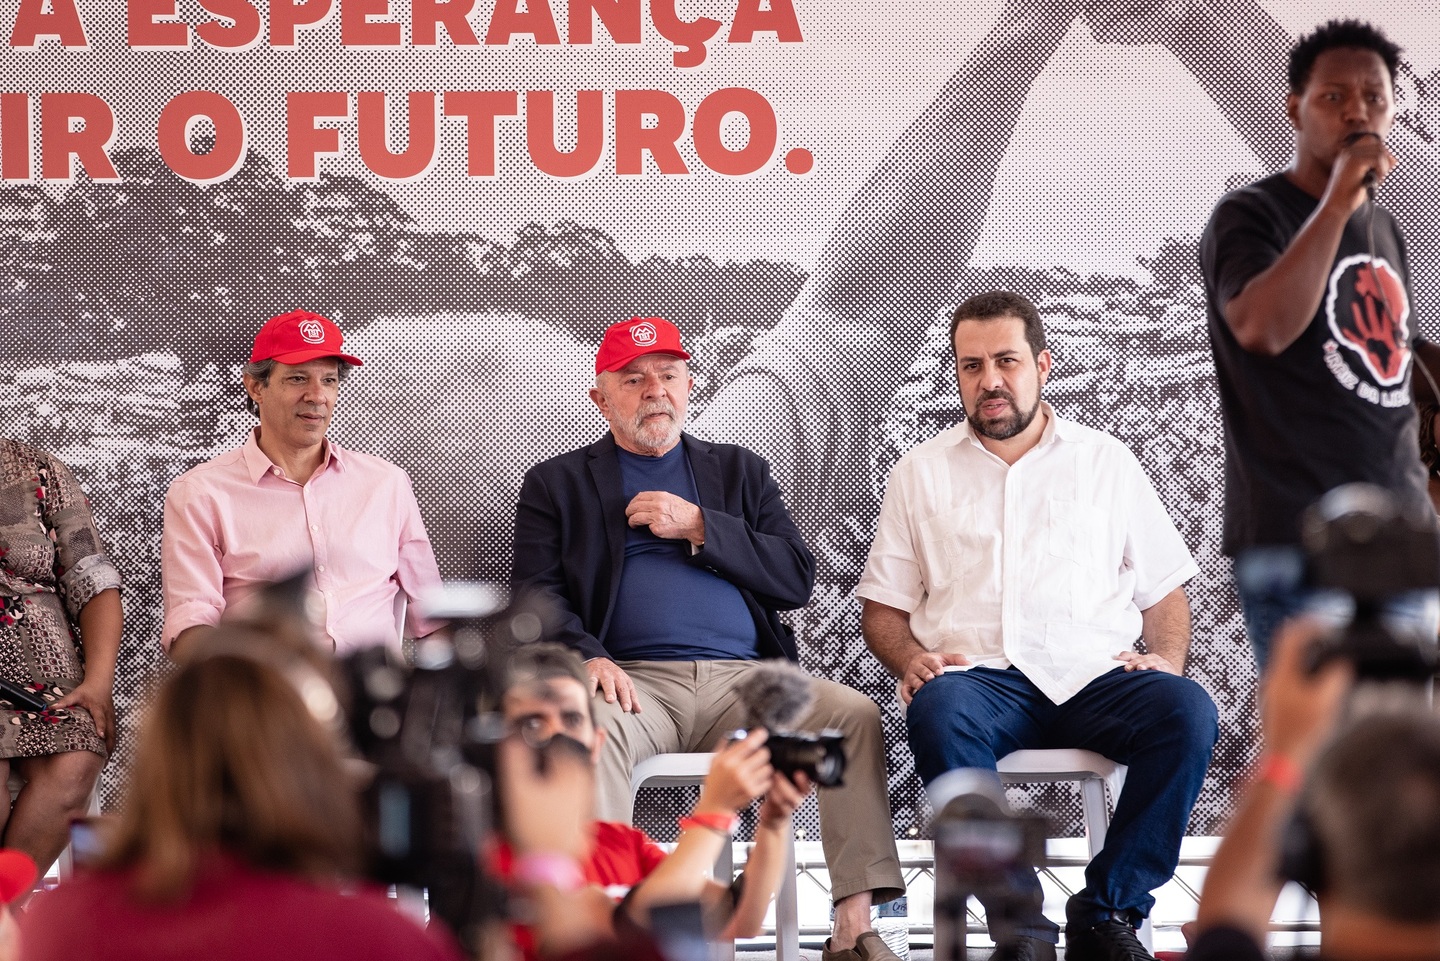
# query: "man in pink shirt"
{"type": "Point", "coordinates": [292, 500]}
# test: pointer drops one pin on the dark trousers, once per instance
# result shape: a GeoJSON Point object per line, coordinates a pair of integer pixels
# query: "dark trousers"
{"type": "Point", "coordinates": [1160, 726]}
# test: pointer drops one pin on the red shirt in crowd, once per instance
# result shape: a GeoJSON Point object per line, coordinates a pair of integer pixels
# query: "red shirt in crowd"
{"type": "Point", "coordinates": [235, 912]}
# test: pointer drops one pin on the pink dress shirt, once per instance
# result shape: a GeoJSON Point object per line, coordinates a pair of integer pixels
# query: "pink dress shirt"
{"type": "Point", "coordinates": [235, 524]}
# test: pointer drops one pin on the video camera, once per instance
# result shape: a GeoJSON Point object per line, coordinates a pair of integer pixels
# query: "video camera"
{"type": "Point", "coordinates": [1362, 547]}
{"type": "Point", "coordinates": [431, 732]}
{"type": "Point", "coordinates": [818, 754]}
{"type": "Point", "coordinates": [775, 696]}
{"type": "Point", "coordinates": [985, 851]}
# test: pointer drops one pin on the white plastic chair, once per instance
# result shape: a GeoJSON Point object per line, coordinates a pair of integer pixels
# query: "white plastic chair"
{"type": "Point", "coordinates": [1093, 772]}
{"type": "Point", "coordinates": [682, 770]}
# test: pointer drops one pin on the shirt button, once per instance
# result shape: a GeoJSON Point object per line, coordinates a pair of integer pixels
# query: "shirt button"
{"type": "Point", "coordinates": [321, 568]}
{"type": "Point", "coordinates": [277, 471]}
{"type": "Point", "coordinates": [314, 527]}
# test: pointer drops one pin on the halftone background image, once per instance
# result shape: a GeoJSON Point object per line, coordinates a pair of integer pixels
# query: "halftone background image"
{"type": "Point", "coordinates": [1071, 155]}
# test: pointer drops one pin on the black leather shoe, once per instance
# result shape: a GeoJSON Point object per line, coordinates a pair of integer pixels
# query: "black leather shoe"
{"type": "Point", "coordinates": [1025, 949]}
{"type": "Point", "coordinates": [1108, 941]}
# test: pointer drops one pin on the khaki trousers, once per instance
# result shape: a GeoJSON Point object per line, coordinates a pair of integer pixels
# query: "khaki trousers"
{"type": "Point", "coordinates": [690, 705]}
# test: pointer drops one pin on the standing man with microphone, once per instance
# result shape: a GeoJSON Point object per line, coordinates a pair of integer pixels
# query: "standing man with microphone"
{"type": "Point", "coordinates": [1308, 297]}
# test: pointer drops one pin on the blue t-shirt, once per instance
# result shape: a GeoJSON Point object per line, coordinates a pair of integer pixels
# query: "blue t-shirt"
{"type": "Point", "coordinates": [669, 609]}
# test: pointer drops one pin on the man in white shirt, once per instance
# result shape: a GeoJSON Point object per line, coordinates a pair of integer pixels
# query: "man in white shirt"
{"type": "Point", "coordinates": [1018, 558]}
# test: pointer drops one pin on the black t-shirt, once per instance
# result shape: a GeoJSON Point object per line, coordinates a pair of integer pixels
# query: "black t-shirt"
{"type": "Point", "coordinates": [1332, 408]}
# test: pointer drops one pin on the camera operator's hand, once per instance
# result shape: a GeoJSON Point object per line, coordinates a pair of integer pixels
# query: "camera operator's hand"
{"type": "Point", "coordinates": [548, 796]}
{"type": "Point", "coordinates": [1298, 707]}
{"type": "Point", "coordinates": [766, 866]}
{"type": "Point", "coordinates": [605, 675]}
{"type": "Point", "coordinates": [739, 773]}
{"type": "Point", "coordinates": [1135, 661]}
{"type": "Point", "coordinates": [924, 668]}
{"type": "Point", "coordinates": [782, 798]}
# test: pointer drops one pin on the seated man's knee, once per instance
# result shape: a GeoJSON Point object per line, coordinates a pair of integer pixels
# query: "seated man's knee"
{"type": "Point", "coordinates": [931, 713]}
{"type": "Point", "coordinates": [837, 705]}
{"type": "Point", "coordinates": [610, 717]}
{"type": "Point", "coordinates": [1189, 709]}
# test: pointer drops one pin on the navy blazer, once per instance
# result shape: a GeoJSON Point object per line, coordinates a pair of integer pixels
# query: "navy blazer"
{"type": "Point", "coordinates": [570, 540]}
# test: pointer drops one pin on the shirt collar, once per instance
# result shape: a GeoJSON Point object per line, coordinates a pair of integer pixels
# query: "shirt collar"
{"type": "Point", "coordinates": [257, 465]}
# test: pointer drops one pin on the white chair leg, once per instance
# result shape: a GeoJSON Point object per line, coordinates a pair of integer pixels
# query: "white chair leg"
{"type": "Point", "coordinates": [787, 911]}
{"type": "Point", "coordinates": [1095, 812]}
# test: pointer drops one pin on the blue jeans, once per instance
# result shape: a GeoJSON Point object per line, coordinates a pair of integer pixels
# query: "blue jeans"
{"type": "Point", "coordinates": [1161, 726]}
{"type": "Point", "coordinates": [1270, 581]}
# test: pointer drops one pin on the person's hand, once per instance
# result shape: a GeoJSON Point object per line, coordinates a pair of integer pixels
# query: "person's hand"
{"type": "Point", "coordinates": [1146, 662]}
{"type": "Point", "coordinates": [782, 798]}
{"type": "Point", "coordinates": [667, 516]}
{"type": "Point", "coordinates": [739, 773]}
{"type": "Point", "coordinates": [547, 796]}
{"type": "Point", "coordinates": [924, 668]}
{"type": "Point", "coordinates": [1367, 152]}
{"type": "Point", "coordinates": [1298, 708]}
{"type": "Point", "coordinates": [99, 701]}
{"type": "Point", "coordinates": [605, 675]}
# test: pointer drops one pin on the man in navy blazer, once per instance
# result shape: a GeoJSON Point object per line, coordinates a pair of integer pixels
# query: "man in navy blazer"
{"type": "Point", "coordinates": [668, 560]}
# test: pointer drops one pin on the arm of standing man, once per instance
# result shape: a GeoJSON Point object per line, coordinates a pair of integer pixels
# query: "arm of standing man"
{"type": "Point", "coordinates": [1276, 305]}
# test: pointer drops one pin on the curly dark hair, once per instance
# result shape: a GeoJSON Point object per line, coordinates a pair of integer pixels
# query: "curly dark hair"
{"type": "Point", "coordinates": [1002, 303]}
{"type": "Point", "coordinates": [1335, 35]}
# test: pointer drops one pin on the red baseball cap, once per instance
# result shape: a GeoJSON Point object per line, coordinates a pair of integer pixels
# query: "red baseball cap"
{"type": "Point", "coordinates": [300, 336]}
{"type": "Point", "coordinates": [636, 337]}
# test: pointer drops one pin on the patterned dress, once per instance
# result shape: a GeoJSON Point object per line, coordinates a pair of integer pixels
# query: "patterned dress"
{"type": "Point", "coordinates": [51, 564]}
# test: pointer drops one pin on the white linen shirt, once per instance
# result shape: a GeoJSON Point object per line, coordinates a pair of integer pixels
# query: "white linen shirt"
{"type": "Point", "coordinates": [1045, 564]}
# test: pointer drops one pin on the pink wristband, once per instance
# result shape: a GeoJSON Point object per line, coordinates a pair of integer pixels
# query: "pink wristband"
{"type": "Point", "coordinates": [551, 870]}
{"type": "Point", "coordinates": [1281, 771]}
{"type": "Point", "coordinates": [720, 823]}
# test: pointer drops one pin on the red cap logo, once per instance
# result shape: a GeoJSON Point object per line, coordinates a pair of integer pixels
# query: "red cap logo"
{"type": "Point", "coordinates": [312, 332]}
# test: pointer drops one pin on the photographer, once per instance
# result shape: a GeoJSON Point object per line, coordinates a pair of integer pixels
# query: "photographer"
{"type": "Point", "coordinates": [548, 697]}
{"type": "Point", "coordinates": [1369, 839]}
{"type": "Point", "coordinates": [240, 837]}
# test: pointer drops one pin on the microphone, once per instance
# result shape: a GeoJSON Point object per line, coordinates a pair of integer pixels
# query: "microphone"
{"type": "Point", "coordinates": [775, 696]}
{"type": "Point", "coordinates": [21, 699]}
{"type": "Point", "coordinates": [1371, 179]}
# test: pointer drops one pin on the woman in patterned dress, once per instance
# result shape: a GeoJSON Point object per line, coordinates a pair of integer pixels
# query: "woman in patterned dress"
{"type": "Point", "coordinates": [57, 587]}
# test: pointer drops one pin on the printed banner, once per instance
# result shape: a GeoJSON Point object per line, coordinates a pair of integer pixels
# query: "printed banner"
{"type": "Point", "coordinates": [474, 189]}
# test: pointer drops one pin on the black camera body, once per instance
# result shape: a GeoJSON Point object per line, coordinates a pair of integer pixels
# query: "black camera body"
{"type": "Point", "coordinates": [820, 755]}
{"type": "Point", "coordinates": [430, 729]}
{"type": "Point", "coordinates": [1361, 543]}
